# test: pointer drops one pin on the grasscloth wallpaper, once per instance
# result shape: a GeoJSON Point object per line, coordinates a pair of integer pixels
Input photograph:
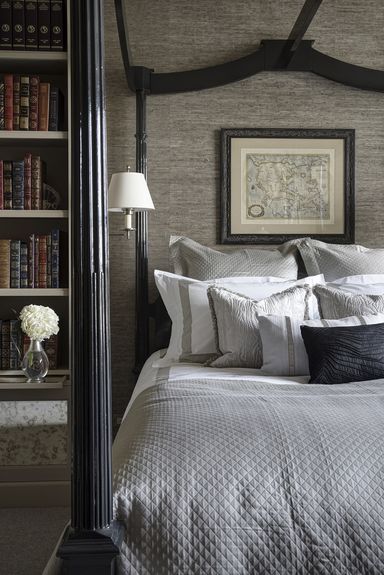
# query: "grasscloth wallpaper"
{"type": "Point", "coordinates": [183, 129]}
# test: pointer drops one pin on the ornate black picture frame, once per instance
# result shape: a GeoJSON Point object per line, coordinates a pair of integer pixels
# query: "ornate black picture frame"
{"type": "Point", "coordinates": [280, 184]}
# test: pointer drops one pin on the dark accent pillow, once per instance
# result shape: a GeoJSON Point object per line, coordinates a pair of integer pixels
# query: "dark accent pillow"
{"type": "Point", "coordinates": [344, 354]}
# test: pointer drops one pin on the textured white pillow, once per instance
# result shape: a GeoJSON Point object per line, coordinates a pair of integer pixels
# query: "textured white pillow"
{"type": "Point", "coordinates": [186, 301]}
{"type": "Point", "coordinates": [284, 351]}
{"type": "Point", "coordinates": [191, 259]}
{"type": "Point", "coordinates": [336, 260]}
{"type": "Point", "coordinates": [335, 303]}
{"type": "Point", "coordinates": [236, 320]}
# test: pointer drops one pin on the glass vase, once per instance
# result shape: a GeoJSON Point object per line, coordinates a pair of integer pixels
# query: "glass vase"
{"type": "Point", "coordinates": [35, 363]}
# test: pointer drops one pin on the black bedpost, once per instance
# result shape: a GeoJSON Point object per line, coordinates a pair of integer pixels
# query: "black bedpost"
{"type": "Point", "coordinates": [142, 301]}
{"type": "Point", "coordinates": [91, 543]}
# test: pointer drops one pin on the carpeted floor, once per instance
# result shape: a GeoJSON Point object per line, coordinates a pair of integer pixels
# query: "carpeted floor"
{"type": "Point", "coordinates": [27, 538]}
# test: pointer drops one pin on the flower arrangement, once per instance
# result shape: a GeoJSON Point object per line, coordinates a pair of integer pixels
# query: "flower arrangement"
{"type": "Point", "coordinates": [39, 322]}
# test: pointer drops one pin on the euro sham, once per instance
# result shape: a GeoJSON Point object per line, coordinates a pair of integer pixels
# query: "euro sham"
{"type": "Point", "coordinates": [191, 259]}
{"type": "Point", "coordinates": [335, 303]}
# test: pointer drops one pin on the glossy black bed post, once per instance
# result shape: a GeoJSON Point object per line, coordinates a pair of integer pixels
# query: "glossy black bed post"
{"type": "Point", "coordinates": [90, 545]}
{"type": "Point", "coordinates": [142, 299]}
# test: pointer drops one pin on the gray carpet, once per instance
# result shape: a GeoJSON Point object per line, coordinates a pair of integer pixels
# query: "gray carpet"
{"type": "Point", "coordinates": [28, 537]}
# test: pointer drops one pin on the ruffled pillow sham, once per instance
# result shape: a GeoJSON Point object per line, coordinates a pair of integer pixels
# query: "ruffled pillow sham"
{"type": "Point", "coordinates": [236, 322]}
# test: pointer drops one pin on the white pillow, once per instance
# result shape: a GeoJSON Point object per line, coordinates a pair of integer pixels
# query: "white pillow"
{"type": "Point", "coordinates": [186, 301]}
{"type": "Point", "coordinates": [284, 351]}
{"type": "Point", "coordinates": [369, 284]}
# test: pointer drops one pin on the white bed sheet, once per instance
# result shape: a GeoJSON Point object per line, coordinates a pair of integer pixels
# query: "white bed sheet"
{"type": "Point", "coordinates": [184, 370]}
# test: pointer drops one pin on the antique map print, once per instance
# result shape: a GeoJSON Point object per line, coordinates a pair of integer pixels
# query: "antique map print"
{"type": "Point", "coordinates": [288, 186]}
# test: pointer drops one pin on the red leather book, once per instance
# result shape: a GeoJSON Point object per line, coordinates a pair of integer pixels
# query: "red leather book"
{"type": "Point", "coordinates": [8, 104]}
{"type": "Point", "coordinates": [1, 185]}
{"type": "Point", "coordinates": [31, 261]}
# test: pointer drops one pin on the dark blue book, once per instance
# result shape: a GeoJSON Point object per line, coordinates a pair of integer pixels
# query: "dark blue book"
{"type": "Point", "coordinates": [55, 109]}
{"type": "Point", "coordinates": [57, 25]}
{"type": "Point", "coordinates": [44, 23]}
{"type": "Point", "coordinates": [23, 264]}
{"type": "Point", "coordinates": [6, 25]}
{"type": "Point", "coordinates": [14, 342]}
{"type": "Point", "coordinates": [55, 258]}
{"type": "Point", "coordinates": [18, 25]}
{"type": "Point", "coordinates": [15, 264]}
{"type": "Point", "coordinates": [7, 184]}
{"type": "Point", "coordinates": [18, 185]}
{"type": "Point", "coordinates": [31, 40]}
{"type": "Point", "coordinates": [5, 343]}
{"type": "Point", "coordinates": [2, 103]}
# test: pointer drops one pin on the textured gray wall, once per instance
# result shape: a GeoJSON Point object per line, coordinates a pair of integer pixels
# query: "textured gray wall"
{"type": "Point", "coordinates": [184, 129]}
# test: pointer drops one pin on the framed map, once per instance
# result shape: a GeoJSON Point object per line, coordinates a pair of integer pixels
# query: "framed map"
{"type": "Point", "coordinates": [280, 184]}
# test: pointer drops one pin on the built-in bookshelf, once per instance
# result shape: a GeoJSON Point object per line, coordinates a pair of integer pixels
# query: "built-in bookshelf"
{"type": "Point", "coordinates": [29, 482]}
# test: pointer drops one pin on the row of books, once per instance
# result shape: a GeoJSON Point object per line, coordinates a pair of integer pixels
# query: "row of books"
{"type": "Point", "coordinates": [22, 184]}
{"type": "Point", "coordinates": [34, 263]}
{"type": "Point", "coordinates": [14, 344]}
{"type": "Point", "coordinates": [32, 25]}
{"type": "Point", "coordinates": [26, 103]}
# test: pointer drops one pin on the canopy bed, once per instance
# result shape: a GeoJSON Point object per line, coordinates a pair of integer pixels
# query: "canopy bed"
{"type": "Point", "coordinates": [92, 543]}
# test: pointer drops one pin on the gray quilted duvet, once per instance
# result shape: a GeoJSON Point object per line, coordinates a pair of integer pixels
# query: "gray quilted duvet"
{"type": "Point", "coordinates": [234, 477]}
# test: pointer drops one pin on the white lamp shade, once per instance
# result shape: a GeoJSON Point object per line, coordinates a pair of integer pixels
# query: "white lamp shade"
{"type": "Point", "coordinates": [129, 190]}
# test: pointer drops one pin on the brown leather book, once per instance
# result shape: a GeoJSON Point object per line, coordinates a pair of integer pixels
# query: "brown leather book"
{"type": "Point", "coordinates": [44, 93]}
{"type": "Point", "coordinates": [5, 263]}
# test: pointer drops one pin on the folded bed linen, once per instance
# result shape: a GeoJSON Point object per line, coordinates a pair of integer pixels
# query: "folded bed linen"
{"type": "Point", "coordinates": [230, 474]}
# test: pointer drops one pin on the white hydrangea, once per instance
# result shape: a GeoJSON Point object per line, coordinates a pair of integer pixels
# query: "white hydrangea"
{"type": "Point", "coordinates": [39, 322]}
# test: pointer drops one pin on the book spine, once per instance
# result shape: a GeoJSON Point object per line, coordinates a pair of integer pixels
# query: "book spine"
{"type": "Point", "coordinates": [2, 103]}
{"type": "Point", "coordinates": [1, 185]}
{"type": "Point", "coordinates": [5, 262]}
{"type": "Point", "coordinates": [43, 17]}
{"type": "Point", "coordinates": [16, 102]}
{"type": "Point", "coordinates": [26, 342]}
{"type": "Point", "coordinates": [23, 264]}
{"type": "Point", "coordinates": [51, 348]}
{"type": "Point", "coordinates": [15, 264]}
{"type": "Point", "coordinates": [44, 91]}
{"type": "Point", "coordinates": [18, 185]}
{"type": "Point", "coordinates": [7, 184]}
{"type": "Point", "coordinates": [53, 124]}
{"type": "Point", "coordinates": [13, 344]}
{"type": "Point", "coordinates": [49, 261]}
{"type": "Point", "coordinates": [6, 25]}
{"type": "Point", "coordinates": [55, 243]}
{"type": "Point", "coordinates": [8, 101]}
{"type": "Point", "coordinates": [57, 25]}
{"type": "Point", "coordinates": [1, 346]}
{"type": "Point", "coordinates": [18, 27]}
{"type": "Point", "coordinates": [24, 103]}
{"type": "Point", "coordinates": [31, 39]}
{"type": "Point", "coordinates": [34, 102]}
{"type": "Point", "coordinates": [5, 343]}
{"type": "Point", "coordinates": [36, 262]}
{"type": "Point", "coordinates": [31, 261]}
{"type": "Point", "coordinates": [42, 261]}
{"type": "Point", "coordinates": [37, 185]}
{"type": "Point", "coordinates": [28, 182]}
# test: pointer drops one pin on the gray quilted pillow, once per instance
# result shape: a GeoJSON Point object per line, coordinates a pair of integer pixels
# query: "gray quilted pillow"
{"type": "Point", "coordinates": [335, 303]}
{"type": "Point", "coordinates": [337, 261]}
{"type": "Point", "coordinates": [235, 319]}
{"type": "Point", "coordinates": [193, 260]}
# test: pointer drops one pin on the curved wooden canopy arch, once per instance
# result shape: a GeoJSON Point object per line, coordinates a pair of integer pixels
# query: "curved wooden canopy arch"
{"type": "Point", "coordinates": [291, 54]}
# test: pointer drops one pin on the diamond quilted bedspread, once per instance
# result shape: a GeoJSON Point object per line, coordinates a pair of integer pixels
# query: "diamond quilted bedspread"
{"type": "Point", "coordinates": [231, 478]}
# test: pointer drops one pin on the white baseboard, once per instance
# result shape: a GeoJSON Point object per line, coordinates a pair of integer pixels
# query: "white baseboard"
{"type": "Point", "coordinates": [35, 494]}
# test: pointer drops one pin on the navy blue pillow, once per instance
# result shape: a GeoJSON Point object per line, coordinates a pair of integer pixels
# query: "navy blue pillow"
{"type": "Point", "coordinates": [343, 354]}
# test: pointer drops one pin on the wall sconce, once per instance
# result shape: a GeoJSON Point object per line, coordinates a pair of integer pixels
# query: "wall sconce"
{"type": "Point", "coordinates": [128, 192]}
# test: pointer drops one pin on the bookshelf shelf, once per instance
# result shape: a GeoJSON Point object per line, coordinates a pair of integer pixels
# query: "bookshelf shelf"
{"type": "Point", "coordinates": [26, 135]}
{"type": "Point", "coordinates": [35, 214]}
{"type": "Point", "coordinates": [16, 380]}
{"type": "Point", "coordinates": [33, 61]}
{"type": "Point", "coordinates": [34, 292]}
